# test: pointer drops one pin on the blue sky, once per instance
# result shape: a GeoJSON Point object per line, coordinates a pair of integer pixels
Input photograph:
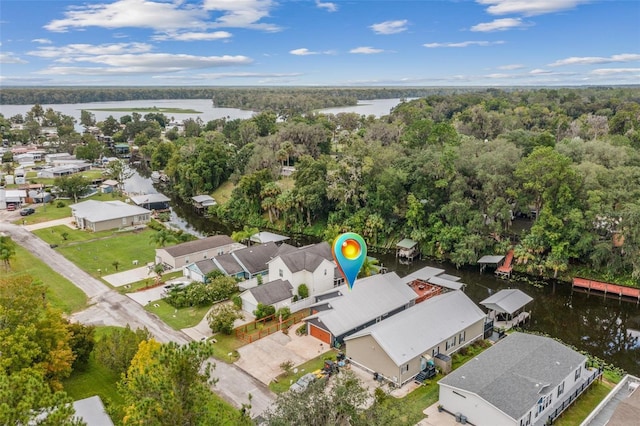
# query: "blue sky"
{"type": "Point", "coordinates": [320, 42]}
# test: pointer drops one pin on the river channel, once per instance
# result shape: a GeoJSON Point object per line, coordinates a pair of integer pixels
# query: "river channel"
{"type": "Point", "coordinates": [604, 327]}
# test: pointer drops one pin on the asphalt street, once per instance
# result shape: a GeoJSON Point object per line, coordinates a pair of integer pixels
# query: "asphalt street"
{"type": "Point", "coordinates": [108, 307]}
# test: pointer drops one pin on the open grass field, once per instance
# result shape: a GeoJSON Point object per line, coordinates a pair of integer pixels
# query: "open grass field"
{"type": "Point", "coordinates": [61, 293]}
{"type": "Point", "coordinates": [222, 194]}
{"type": "Point", "coordinates": [225, 347]}
{"type": "Point", "coordinates": [284, 380]}
{"type": "Point", "coordinates": [409, 410]}
{"type": "Point", "coordinates": [585, 404]}
{"type": "Point", "coordinates": [177, 318]}
{"type": "Point", "coordinates": [62, 235]}
{"type": "Point", "coordinates": [96, 257]}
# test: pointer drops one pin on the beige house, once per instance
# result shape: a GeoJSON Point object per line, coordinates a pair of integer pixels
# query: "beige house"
{"type": "Point", "coordinates": [104, 215]}
{"type": "Point", "coordinates": [183, 254]}
{"type": "Point", "coordinates": [400, 347]}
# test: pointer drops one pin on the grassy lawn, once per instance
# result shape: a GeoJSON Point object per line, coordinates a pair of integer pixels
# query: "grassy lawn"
{"type": "Point", "coordinates": [53, 235]}
{"type": "Point", "coordinates": [284, 380]}
{"type": "Point", "coordinates": [471, 351]}
{"type": "Point", "coordinates": [96, 257]}
{"type": "Point", "coordinates": [584, 405]}
{"type": "Point", "coordinates": [61, 293]}
{"type": "Point", "coordinates": [148, 282]}
{"type": "Point", "coordinates": [410, 409]}
{"type": "Point", "coordinates": [225, 347]}
{"type": "Point", "coordinates": [95, 379]}
{"type": "Point", "coordinates": [223, 192]}
{"type": "Point", "coordinates": [177, 318]}
{"type": "Point", "coordinates": [51, 211]}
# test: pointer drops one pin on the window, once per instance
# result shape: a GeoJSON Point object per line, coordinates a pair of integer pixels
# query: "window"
{"type": "Point", "coordinates": [560, 389]}
{"type": "Point", "coordinates": [451, 342]}
{"type": "Point", "coordinates": [124, 220]}
{"type": "Point", "coordinates": [578, 371]}
{"type": "Point", "coordinates": [462, 336]}
{"type": "Point", "coordinates": [325, 272]}
{"type": "Point", "coordinates": [405, 368]}
{"type": "Point", "coordinates": [280, 273]}
{"type": "Point", "coordinates": [220, 252]}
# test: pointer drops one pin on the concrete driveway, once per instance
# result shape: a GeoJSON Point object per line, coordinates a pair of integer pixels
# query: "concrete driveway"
{"type": "Point", "coordinates": [131, 276]}
{"type": "Point", "coordinates": [262, 359]}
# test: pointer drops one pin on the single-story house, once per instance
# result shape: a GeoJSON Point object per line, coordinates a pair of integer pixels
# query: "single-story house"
{"type": "Point", "coordinates": [312, 265]}
{"type": "Point", "coordinates": [520, 381]}
{"type": "Point", "coordinates": [15, 197]}
{"type": "Point", "coordinates": [399, 347]}
{"type": "Point", "coordinates": [104, 215]}
{"type": "Point", "coordinates": [49, 158]}
{"type": "Point", "coordinates": [206, 248]}
{"type": "Point", "coordinates": [276, 293]}
{"type": "Point", "coordinates": [92, 411]}
{"type": "Point", "coordinates": [110, 185]}
{"type": "Point", "coordinates": [63, 170]}
{"type": "Point", "coordinates": [429, 281]}
{"type": "Point", "coordinates": [151, 201]}
{"type": "Point", "coordinates": [341, 312]}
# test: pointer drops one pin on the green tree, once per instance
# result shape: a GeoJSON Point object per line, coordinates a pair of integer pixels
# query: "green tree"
{"type": "Point", "coordinates": [87, 118]}
{"type": "Point", "coordinates": [303, 291]}
{"type": "Point", "coordinates": [109, 126]}
{"type": "Point", "coordinates": [72, 186]}
{"type": "Point", "coordinates": [163, 237]}
{"type": "Point", "coordinates": [90, 151]}
{"type": "Point", "coordinates": [263, 311]}
{"type": "Point", "coordinates": [222, 317]}
{"type": "Point", "coordinates": [118, 171]}
{"type": "Point", "coordinates": [116, 349]}
{"type": "Point", "coordinates": [82, 342]}
{"type": "Point", "coordinates": [7, 250]}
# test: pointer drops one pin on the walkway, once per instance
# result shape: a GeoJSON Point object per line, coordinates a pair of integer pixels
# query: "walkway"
{"type": "Point", "coordinates": [601, 415]}
{"type": "Point", "coordinates": [64, 221]}
{"type": "Point", "coordinates": [606, 288]}
{"type": "Point", "coordinates": [505, 269]}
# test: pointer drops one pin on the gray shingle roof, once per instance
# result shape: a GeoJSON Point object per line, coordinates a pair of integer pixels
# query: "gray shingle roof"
{"type": "Point", "coordinates": [254, 258]}
{"type": "Point", "coordinates": [513, 374]}
{"type": "Point", "coordinates": [272, 292]}
{"type": "Point", "coordinates": [410, 333]}
{"type": "Point", "coordinates": [205, 266]}
{"type": "Point", "coordinates": [507, 301]}
{"type": "Point", "coordinates": [369, 298]}
{"type": "Point", "coordinates": [307, 258]}
{"type": "Point", "coordinates": [99, 211]}
{"type": "Point", "coordinates": [227, 263]}
{"type": "Point", "coordinates": [199, 245]}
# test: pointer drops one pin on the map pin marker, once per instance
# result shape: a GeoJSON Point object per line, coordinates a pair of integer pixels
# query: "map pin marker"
{"type": "Point", "coordinates": [349, 251]}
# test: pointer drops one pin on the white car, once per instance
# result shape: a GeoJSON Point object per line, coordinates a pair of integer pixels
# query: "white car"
{"type": "Point", "coordinates": [303, 382]}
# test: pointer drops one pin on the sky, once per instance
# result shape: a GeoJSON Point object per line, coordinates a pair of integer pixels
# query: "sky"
{"type": "Point", "coordinates": [319, 42]}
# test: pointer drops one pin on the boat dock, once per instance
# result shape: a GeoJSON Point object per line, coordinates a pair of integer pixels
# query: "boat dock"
{"type": "Point", "coordinates": [607, 289]}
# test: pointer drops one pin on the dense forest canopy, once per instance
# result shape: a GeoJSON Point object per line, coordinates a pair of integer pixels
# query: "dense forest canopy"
{"type": "Point", "coordinates": [452, 171]}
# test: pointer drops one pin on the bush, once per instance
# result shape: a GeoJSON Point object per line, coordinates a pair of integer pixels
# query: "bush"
{"type": "Point", "coordinates": [263, 311]}
{"type": "Point", "coordinates": [222, 317]}
{"type": "Point", "coordinates": [60, 204]}
{"type": "Point", "coordinates": [285, 312]}
{"type": "Point", "coordinates": [237, 302]}
{"type": "Point", "coordinates": [302, 330]}
{"type": "Point", "coordinates": [303, 291]}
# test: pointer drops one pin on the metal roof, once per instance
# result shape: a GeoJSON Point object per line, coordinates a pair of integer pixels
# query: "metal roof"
{"type": "Point", "coordinates": [507, 301]}
{"type": "Point", "coordinates": [412, 332]}
{"type": "Point", "coordinates": [199, 245]}
{"type": "Point", "coordinates": [439, 281]}
{"type": "Point", "coordinates": [422, 274]}
{"type": "Point", "coordinates": [491, 259]}
{"type": "Point", "coordinates": [272, 292]}
{"type": "Point", "coordinates": [205, 200]}
{"type": "Point", "coordinates": [92, 411]}
{"type": "Point", "coordinates": [149, 198]}
{"type": "Point", "coordinates": [514, 373]}
{"type": "Point", "coordinates": [369, 298]}
{"type": "Point", "coordinates": [268, 237]}
{"type": "Point", "coordinates": [407, 243]}
{"type": "Point", "coordinates": [99, 211]}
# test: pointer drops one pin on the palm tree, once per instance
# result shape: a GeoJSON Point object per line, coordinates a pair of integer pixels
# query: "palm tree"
{"type": "Point", "coordinates": [7, 250]}
{"type": "Point", "coordinates": [163, 237]}
{"type": "Point", "coordinates": [244, 235]}
{"type": "Point", "coordinates": [369, 267]}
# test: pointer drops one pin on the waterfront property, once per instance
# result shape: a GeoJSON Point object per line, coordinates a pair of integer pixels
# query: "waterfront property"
{"type": "Point", "coordinates": [429, 281]}
{"type": "Point", "coordinates": [612, 290]}
{"type": "Point", "coordinates": [268, 237]}
{"type": "Point", "coordinates": [402, 346]}
{"type": "Point", "coordinates": [407, 249]}
{"type": "Point", "coordinates": [506, 308]}
{"type": "Point", "coordinates": [341, 312]}
{"type": "Point", "coordinates": [158, 202]}
{"type": "Point", "coordinates": [105, 215]}
{"type": "Point", "coordinates": [202, 202]}
{"type": "Point", "coordinates": [183, 254]}
{"type": "Point", "coordinates": [522, 380]}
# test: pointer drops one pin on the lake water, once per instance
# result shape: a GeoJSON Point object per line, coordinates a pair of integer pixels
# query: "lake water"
{"type": "Point", "coordinates": [377, 107]}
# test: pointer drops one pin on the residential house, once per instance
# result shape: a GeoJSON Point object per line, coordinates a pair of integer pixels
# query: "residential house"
{"type": "Point", "coordinates": [104, 215]}
{"type": "Point", "coordinates": [276, 293]}
{"type": "Point", "coordinates": [428, 282]}
{"type": "Point", "coordinates": [92, 412]}
{"type": "Point", "coordinates": [312, 265]}
{"type": "Point", "coordinates": [12, 197]}
{"type": "Point", "coordinates": [64, 170]}
{"type": "Point", "coordinates": [341, 312]}
{"type": "Point", "coordinates": [519, 381]}
{"type": "Point", "coordinates": [183, 254]}
{"type": "Point", "coordinates": [111, 185]}
{"type": "Point", "coordinates": [399, 347]}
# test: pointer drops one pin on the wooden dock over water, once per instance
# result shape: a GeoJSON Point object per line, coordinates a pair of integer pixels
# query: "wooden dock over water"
{"type": "Point", "coordinates": [606, 288]}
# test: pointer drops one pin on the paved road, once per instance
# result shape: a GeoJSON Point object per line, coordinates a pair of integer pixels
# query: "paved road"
{"type": "Point", "coordinates": [112, 308]}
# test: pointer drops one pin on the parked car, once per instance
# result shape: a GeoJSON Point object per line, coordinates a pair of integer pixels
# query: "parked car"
{"type": "Point", "coordinates": [27, 211]}
{"type": "Point", "coordinates": [303, 382]}
{"type": "Point", "coordinates": [11, 207]}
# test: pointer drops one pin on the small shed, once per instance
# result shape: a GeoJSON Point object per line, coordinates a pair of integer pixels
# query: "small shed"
{"type": "Point", "coordinates": [268, 237]}
{"type": "Point", "coordinates": [407, 249]}
{"type": "Point", "coordinates": [108, 186]}
{"type": "Point", "coordinates": [488, 260]}
{"type": "Point", "coordinates": [507, 306]}
{"type": "Point", "coordinates": [203, 202]}
{"type": "Point", "coordinates": [158, 202]}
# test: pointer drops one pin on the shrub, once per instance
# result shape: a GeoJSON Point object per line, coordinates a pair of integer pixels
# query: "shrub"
{"type": "Point", "coordinates": [285, 312]}
{"type": "Point", "coordinates": [237, 302]}
{"type": "Point", "coordinates": [60, 204]}
{"type": "Point", "coordinates": [302, 330]}
{"type": "Point", "coordinates": [303, 291]}
{"type": "Point", "coordinates": [222, 317]}
{"type": "Point", "coordinates": [263, 311]}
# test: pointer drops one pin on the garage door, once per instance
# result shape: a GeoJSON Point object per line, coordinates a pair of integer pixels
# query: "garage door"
{"type": "Point", "coordinates": [320, 334]}
{"type": "Point", "coordinates": [248, 306]}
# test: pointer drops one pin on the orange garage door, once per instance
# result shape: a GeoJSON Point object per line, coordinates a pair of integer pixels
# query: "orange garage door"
{"type": "Point", "coordinates": [320, 334]}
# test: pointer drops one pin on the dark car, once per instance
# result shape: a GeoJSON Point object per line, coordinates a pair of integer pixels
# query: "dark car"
{"type": "Point", "coordinates": [27, 211]}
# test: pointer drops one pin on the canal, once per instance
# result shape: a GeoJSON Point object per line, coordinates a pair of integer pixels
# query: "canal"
{"type": "Point", "coordinates": [604, 327]}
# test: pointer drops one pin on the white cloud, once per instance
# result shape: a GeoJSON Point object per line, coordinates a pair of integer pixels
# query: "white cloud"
{"type": "Point", "coordinates": [500, 25]}
{"type": "Point", "coordinates": [615, 71]}
{"type": "Point", "coordinates": [42, 40]}
{"type": "Point", "coordinates": [66, 53]}
{"type": "Point", "coordinates": [529, 7]}
{"type": "Point", "coordinates": [193, 36]}
{"type": "Point", "coordinates": [223, 75]}
{"type": "Point", "coordinates": [303, 52]}
{"type": "Point", "coordinates": [366, 50]}
{"type": "Point", "coordinates": [463, 44]}
{"type": "Point", "coordinates": [390, 27]}
{"type": "Point", "coordinates": [511, 67]}
{"type": "Point", "coordinates": [539, 71]}
{"type": "Point", "coordinates": [242, 13]}
{"type": "Point", "coordinates": [590, 60]}
{"type": "Point", "coordinates": [331, 7]}
{"type": "Point", "coordinates": [144, 63]}
{"type": "Point", "coordinates": [10, 58]}
{"type": "Point", "coordinates": [163, 16]}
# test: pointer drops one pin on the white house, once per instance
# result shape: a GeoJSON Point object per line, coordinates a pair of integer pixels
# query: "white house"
{"type": "Point", "coordinates": [312, 265]}
{"type": "Point", "coordinates": [275, 293]}
{"type": "Point", "coordinates": [183, 254]}
{"type": "Point", "coordinates": [104, 215]}
{"type": "Point", "coordinates": [520, 381]}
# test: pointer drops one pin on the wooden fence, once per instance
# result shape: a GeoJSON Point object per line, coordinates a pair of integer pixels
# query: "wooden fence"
{"type": "Point", "coordinates": [258, 329]}
{"type": "Point", "coordinates": [574, 395]}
